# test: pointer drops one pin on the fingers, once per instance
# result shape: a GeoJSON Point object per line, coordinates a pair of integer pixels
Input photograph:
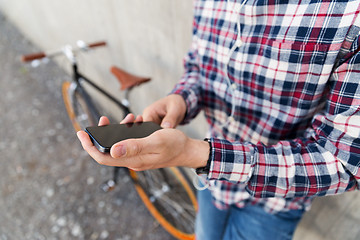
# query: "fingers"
{"type": "Point", "coordinates": [90, 148]}
{"type": "Point", "coordinates": [171, 119]}
{"type": "Point", "coordinates": [139, 119]}
{"type": "Point", "coordinates": [128, 119]}
{"type": "Point", "coordinates": [130, 153]}
{"type": "Point", "coordinates": [104, 121]}
{"type": "Point", "coordinates": [128, 148]}
{"type": "Point", "coordinates": [161, 149]}
{"type": "Point", "coordinates": [154, 115]}
{"type": "Point", "coordinates": [84, 139]}
{"type": "Point", "coordinates": [175, 111]}
{"type": "Point", "coordinates": [155, 112]}
{"type": "Point", "coordinates": [168, 112]}
{"type": "Point", "coordinates": [137, 147]}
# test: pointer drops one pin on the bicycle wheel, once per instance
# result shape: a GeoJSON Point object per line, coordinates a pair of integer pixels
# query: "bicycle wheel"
{"type": "Point", "coordinates": [78, 112]}
{"type": "Point", "coordinates": [169, 198]}
{"type": "Point", "coordinates": [165, 192]}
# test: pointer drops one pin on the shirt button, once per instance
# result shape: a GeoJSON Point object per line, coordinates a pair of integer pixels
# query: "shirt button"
{"type": "Point", "coordinates": [231, 119]}
{"type": "Point", "coordinates": [234, 86]}
{"type": "Point", "coordinates": [239, 43]}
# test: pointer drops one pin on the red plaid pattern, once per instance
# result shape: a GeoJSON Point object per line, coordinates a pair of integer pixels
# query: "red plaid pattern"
{"type": "Point", "coordinates": [294, 76]}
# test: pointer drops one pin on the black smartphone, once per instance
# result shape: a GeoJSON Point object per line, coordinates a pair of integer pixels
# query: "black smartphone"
{"type": "Point", "coordinates": [103, 137]}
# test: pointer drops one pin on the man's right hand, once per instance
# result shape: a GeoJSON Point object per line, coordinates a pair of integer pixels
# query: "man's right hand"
{"type": "Point", "coordinates": [168, 111]}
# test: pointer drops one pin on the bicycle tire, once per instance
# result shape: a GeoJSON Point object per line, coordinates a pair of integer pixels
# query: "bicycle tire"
{"type": "Point", "coordinates": [181, 193]}
{"type": "Point", "coordinates": [76, 108]}
{"type": "Point", "coordinates": [175, 206]}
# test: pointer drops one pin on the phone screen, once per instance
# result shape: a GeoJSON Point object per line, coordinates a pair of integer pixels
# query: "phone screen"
{"type": "Point", "coordinates": [104, 137]}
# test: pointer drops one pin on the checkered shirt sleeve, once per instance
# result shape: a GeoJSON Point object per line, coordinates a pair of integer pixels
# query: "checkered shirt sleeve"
{"type": "Point", "coordinates": [296, 127]}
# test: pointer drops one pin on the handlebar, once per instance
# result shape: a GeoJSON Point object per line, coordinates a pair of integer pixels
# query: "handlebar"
{"type": "Point", "coordinates": [32, 56]}
{"type": "Point", "coordinates": [97, 44]}
{"type": "Point", "coordinates": [81, 47]}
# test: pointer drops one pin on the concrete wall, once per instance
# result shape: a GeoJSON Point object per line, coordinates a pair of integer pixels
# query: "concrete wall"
{"type": "Point", "coordinates": [150, 38]}
{"type": "Point", "coordinates": [147, 38]}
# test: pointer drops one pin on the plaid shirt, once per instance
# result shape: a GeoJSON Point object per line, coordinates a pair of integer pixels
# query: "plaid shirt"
{"type": "Point", "coordinates": [292, 78]}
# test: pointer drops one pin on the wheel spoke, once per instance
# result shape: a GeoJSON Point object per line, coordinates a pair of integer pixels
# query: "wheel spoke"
{"type": "Point", "coordinates": [169, 196]}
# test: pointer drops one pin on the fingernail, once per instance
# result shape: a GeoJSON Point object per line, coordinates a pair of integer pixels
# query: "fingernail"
{"type": "Point", "coordinates": [166, 125]}
{"type": "Point", "coordinates": [119, 151]}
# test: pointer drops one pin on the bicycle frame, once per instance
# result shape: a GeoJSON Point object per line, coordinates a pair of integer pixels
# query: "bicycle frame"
{"type": "Point", "coordinates": [166, 193]}
{"type": "Point", "coordinates": [78, 78]}
{"type": "Point", "coordinates": [124, 105]}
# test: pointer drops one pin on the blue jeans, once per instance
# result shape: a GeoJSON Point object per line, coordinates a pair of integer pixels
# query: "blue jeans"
{"type": "Point", "coordinates": [251, 222]}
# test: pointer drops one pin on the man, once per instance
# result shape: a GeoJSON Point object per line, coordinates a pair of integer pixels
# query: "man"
{"type": "Point", "coordinates": [278, 82]}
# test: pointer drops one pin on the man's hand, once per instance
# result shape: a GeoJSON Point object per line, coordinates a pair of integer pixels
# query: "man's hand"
{"type": "Point", "coordinates": [164, 148]}
{"type": "Point", "coordinates": [168, 111]}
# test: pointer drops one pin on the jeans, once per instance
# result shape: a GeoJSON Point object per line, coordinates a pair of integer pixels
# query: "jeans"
{"type": "Point", "coordinates": [251, 222]}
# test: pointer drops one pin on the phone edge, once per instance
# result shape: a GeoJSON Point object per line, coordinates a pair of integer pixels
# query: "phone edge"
{"type": "Point", "coordinates": [96, 144]}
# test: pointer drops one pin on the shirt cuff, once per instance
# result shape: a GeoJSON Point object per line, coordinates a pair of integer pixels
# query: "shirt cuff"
{"type": "Point", "coordinates": [191, 101]}
{"type": "Point", "coordinates": [232, 162]}
{"type": "Point", "coordinates": [205, 170]}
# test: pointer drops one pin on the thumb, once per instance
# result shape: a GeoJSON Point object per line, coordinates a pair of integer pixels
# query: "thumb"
{"type": "Point", "coordinates": [171, 119]}
{"type": "Point", "coordinates": [127, 148]}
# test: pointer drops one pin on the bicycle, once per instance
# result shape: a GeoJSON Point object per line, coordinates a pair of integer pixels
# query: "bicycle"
{"type": "Point", "coordinates": [166, 193]}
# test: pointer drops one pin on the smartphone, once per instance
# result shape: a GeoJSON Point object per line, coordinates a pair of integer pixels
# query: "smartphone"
{"type": "Point", "coordinates": [103, 137]}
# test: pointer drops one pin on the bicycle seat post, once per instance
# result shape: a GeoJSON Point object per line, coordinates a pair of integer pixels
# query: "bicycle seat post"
{"type": "Point", "coordinates": [125, 101]}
